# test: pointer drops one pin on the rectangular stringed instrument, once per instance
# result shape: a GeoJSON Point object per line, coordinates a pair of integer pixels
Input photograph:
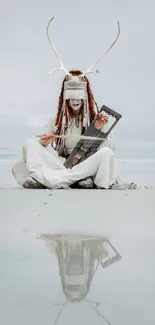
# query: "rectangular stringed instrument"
{"type": "Point", "coordinates": [86, 148]}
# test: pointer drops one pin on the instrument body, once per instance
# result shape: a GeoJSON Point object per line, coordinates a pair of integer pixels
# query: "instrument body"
{"type": "Point", "coordinates": [86, 148]}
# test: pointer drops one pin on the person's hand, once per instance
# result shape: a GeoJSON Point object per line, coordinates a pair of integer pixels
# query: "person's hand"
{"type": "Point", "coordinates": [46, 139]}
{"type": "Point", "coordinates": [101, 121]}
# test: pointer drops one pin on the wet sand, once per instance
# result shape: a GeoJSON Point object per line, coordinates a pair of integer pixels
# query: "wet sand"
{"type": "Point", "coordinates": [116, 211]}
{"type": "Point", "coordinates": [29, 275]}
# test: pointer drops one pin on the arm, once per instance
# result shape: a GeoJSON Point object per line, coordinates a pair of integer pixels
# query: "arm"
{"type": "Point", "coordinates": [47, 136]}
{"type": "Point", "coordinates": [48, 128]}
{"type": "Point", "coordinates": [103, 125]}
{"type": "Point", "coordinates": [110, 140]}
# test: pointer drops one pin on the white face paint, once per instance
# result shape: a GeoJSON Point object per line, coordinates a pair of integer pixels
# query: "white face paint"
{"type": "Point", "coordinates": [75, 104]}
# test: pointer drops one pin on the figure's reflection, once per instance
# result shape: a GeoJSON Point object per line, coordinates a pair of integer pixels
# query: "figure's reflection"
{"type": "Point", "coordinates": [79, 258]}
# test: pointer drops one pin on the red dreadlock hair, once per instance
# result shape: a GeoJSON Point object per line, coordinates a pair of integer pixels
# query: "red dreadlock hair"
{"type": "Point", "coordinates": [91, 104]}
{"type": "Point", "coordinates": [91, 100]}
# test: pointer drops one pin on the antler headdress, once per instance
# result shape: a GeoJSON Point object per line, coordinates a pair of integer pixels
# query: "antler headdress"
{"type": "Point", "coordinates": [76, 86]}
{"type": "Point", "coordinates": [89, 70]}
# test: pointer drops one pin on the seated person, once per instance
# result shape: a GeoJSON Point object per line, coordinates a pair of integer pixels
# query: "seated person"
{"type": "Point", "coordinates": [44, 156]}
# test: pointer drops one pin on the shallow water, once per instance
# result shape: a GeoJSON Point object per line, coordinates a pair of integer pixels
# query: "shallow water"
{"type": "Point", "coordinates": [105, 260]}
{"type": "Point", "coordinates": [37, 287]}
{"type": "Point", "coordinates": [111, 271]}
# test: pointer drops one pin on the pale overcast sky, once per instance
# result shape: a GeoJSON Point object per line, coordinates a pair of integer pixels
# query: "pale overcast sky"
{"type": "Point", "coordinates": [82, 30]}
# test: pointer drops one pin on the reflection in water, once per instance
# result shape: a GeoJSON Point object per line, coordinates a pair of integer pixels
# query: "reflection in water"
{"type": "Point", "coordinates": [79, 258]}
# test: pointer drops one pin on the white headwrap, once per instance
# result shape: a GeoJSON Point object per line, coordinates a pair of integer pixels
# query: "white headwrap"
{"type": "Point", "coordinates": [74, 88]}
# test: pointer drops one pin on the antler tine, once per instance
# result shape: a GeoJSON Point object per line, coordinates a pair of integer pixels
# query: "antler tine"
{"type": "Point", "coordinates": [91, 67]}
{"type": "Point", "coordinates": [54, 49]}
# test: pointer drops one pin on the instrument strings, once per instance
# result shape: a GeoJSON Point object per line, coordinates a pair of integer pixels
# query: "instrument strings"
{"type": "Point", "coordinates": [88, 143]}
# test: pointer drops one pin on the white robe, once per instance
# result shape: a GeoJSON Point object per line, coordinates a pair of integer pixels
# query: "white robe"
{"type": "Point", "coordinates": [44, 164]}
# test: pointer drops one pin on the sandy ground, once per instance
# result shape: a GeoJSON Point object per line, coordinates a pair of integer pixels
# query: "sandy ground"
{"type": "Point", "coordinates": [117, 212]}
{"type": "Point", "coordinates": [29, 274]}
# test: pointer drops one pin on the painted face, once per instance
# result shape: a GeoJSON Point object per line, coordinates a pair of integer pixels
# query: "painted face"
{"type": "Point", "coordinates": [75, 103]}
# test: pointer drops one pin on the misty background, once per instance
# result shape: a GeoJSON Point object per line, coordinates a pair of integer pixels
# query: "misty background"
{"type": "Point", "coordinates": [81, 32]}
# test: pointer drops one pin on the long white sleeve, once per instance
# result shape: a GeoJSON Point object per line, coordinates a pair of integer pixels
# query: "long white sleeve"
{"type": "Point", "coordinates": [110, 140]}
{"type": "Point", "coordinates": [48, 128]}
